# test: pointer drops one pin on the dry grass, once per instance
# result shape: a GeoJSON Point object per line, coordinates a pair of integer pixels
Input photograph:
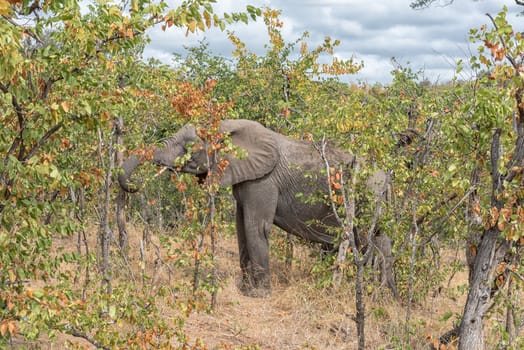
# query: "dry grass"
{"type": "Point", "coordinates": [298, 315]}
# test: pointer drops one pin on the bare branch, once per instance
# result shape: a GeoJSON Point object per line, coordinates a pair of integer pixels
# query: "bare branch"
{"type": "Point", "coordinates": [322, 152]}
{"type": "Point", "coordinates": [424, 4]}
{"type": "Point", "coordinates": [76, 333]}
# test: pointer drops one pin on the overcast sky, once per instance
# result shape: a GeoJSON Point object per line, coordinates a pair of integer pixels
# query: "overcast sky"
{"type": "Point", "coordinates": [371, 31]}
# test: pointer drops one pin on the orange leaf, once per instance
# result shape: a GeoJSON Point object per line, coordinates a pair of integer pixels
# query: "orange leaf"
{"type": "Point", "coordinates": [65, 106]}
{"type": "Point", "coordinates": [12, 328]}
{"type": "Point", "coordinates": [494, 216]}
{"type": "Point", "coordinates": [336, 185]}
{"type": "Point", "coordinates": [8, 326]}
{"type": "Point", "coordinates": [506, 213]}
{"type": "Point", "coordinates": [473, 250]}
{"type": "Point", "coordinates": [3, 328]}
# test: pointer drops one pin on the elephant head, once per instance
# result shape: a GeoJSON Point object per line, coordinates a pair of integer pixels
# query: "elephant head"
{"type": "Point", "coordinates": [259, 143]}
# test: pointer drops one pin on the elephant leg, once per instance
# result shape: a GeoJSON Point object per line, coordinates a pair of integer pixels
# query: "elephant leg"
{"type": "Point", "coordinates": [246, 283]}
{"type": "Point", "coordinates": [384, 245]}
{"type": "Point", "coordinates": [257, 202]}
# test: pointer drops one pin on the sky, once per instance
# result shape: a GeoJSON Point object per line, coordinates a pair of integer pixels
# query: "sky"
{"type": "Point", "coordinates": [371, 31]}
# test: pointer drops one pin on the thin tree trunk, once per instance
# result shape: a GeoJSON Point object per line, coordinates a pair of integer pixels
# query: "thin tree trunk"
{"type": "Point", "coordinates": [105, 231]}
{"type": "Point", "coordinates": [121, 199]}
{"type": "Point", "coordinates": [198, 261]}
{"type": "Point", "coordinates": [290, 245]}
{"type": "Point", "coordinates": [510, 310]}
{"type": "Point", "coordinates": [212, 234]}
{"type": "Point", "coordinates": [350, 239]}
{"type": "Point", "coordinates": [413, 241]}
{"type": "Point", "coordinates": [474, 219]}
{"type": "Point", "coordinates": [360, 318]}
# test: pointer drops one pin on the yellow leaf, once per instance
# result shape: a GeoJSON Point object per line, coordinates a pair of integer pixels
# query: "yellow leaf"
{"type": "Point", "coordinates": [5, 8]}
{"type": "Point", "coordinates": [201, 26]}
{"type": "Point", "coordinates": [207, 18]}
{"type": "Point", "coordinates": [192, 26]}
{"type": "Point", "coordinates": [12, 276]}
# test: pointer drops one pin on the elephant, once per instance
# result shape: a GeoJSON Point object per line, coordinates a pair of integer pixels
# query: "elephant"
{"type": "Point", "coordinates": [271, 185]}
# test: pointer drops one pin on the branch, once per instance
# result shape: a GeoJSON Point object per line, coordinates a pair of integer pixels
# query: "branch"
{"type": "Point", "coordinates": [443, 202]}
{"type": "Point", "coordinates": [372, 229]}
{"type": "Point", "coordinates": [322, 152]}
{"type": "Point", "coordinates": [76, 333]}
{"type": "Point", "coordinates": [42, 140]}
{"type": "Point", "coordinates": [26, 30]}
{"type": "Point", "coordinates": [4, 88]}
{"type": "Point", "coordinates": [496, 178]}
{"type": "Point", "coordinates": [47, 87]}
{"type": "Point", "coordinates": [14, 145]}
{"type": "Point", "coordinates": [19, 141]}
{"type": "Point", "coordinates": [516, 163]}
{"type": "Point", "coordinates": [510, 58]}
{"type": "Point", "coordinates": [444, 220]}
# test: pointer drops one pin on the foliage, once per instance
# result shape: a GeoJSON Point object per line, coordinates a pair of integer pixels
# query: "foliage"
{"type": "Point", "coordinates": [68, 70]}
{"type": "Point", "coordinates": [53, 105]}
{"type": "Point", "coordinates": [499, 131]}
{"type": "Point", "coordinates": [283, 84]}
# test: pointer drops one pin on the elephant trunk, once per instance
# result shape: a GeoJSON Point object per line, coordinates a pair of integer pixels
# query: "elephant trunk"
{"type": "Point", "coordinates": [128, 167]}
{"type": "Point", "coordinates": [165, 156]}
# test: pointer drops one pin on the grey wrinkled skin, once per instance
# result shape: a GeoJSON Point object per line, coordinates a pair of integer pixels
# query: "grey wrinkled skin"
{"type": "Point", "coordinates": [265, 186]}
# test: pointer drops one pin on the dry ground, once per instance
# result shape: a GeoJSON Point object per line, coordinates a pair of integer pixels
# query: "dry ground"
{"type": "Point", "coordinates": [299, 315]}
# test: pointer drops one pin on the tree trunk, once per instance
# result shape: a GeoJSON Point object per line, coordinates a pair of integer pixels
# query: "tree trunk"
{"type": "Point", "coordinates": [479, 296]}
{"type": "Point", "coordinates": [122, 195]}
{"type": "Point", "coordinates": [105, 232]}
{"type": "Point", "coordinates": [360, 317]}
{"type": "Point", "coordinates": [471, 326]}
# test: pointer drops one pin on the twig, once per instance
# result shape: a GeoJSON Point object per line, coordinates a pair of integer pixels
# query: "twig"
{"type": "Point", "coordinates": [76, 333]}
{"type": "Point", "coordinates": [508, 56]}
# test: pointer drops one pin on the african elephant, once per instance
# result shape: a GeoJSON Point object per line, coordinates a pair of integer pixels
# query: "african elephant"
{"type": "Point", "coordinates": [266, 184]}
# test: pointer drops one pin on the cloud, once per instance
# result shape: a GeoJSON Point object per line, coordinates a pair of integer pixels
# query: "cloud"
{"type": "Point", "coordinates": [372, 31]}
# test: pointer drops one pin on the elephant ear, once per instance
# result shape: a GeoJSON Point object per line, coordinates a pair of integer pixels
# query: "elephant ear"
{"type": "Point", "coordinates": [258, 151]}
